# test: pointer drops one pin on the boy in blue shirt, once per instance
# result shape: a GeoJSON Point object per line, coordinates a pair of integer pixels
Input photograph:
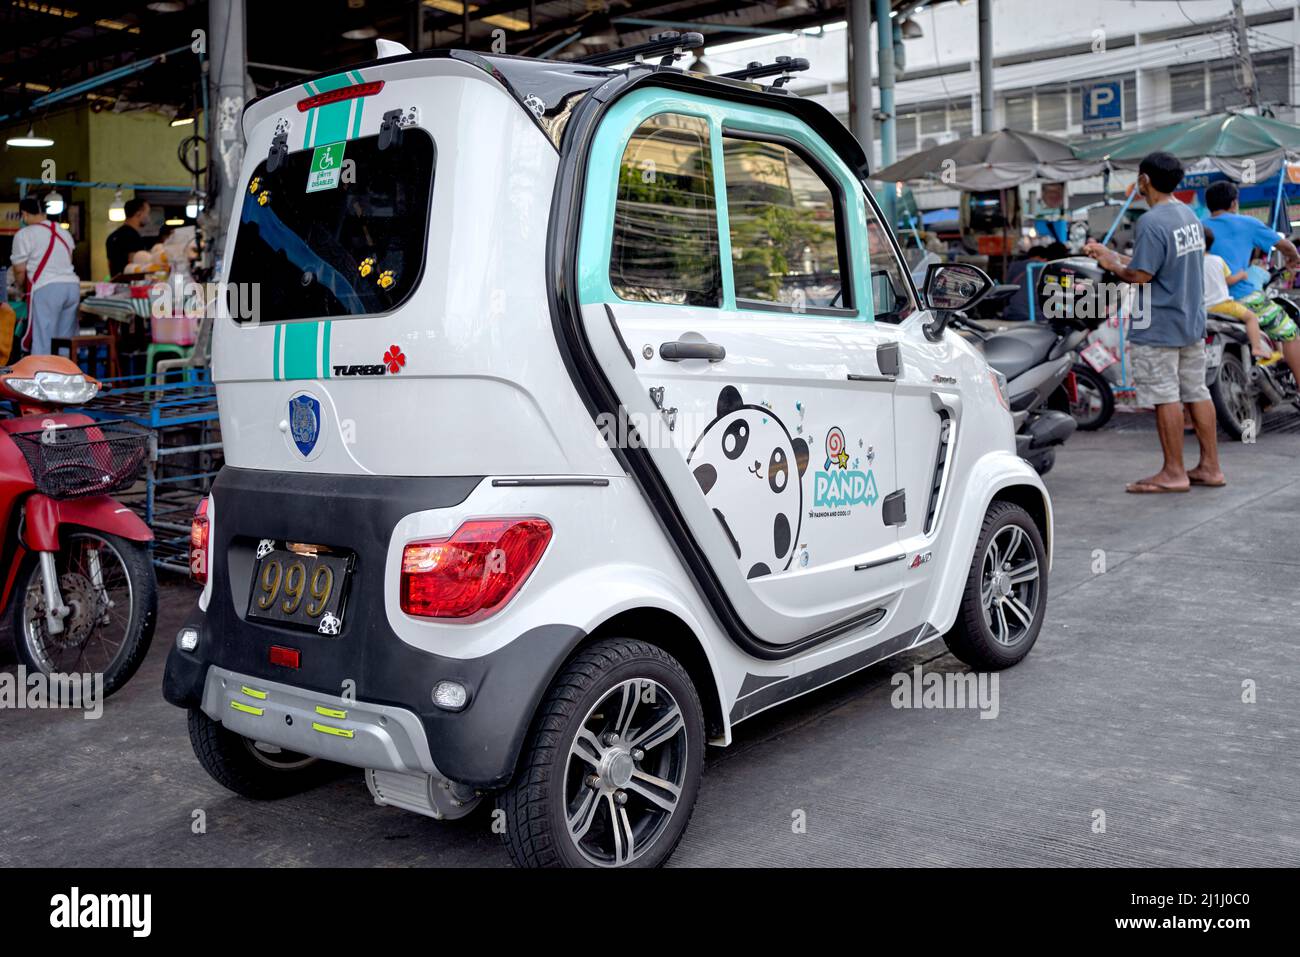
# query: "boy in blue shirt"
{"type": "Point", "coordinates": [1236, 237]}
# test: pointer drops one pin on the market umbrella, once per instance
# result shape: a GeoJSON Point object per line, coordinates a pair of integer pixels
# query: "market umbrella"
{"type": "Point", "coordinates": [1224, 141]}
{"type": "Point", "coordinates": [993, 161]}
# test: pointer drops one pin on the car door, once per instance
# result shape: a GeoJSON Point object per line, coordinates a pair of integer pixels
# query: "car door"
{"type": "Point", "coordinates": [927, 406]}
{"type": "Point", "coordinates": [721, 297]}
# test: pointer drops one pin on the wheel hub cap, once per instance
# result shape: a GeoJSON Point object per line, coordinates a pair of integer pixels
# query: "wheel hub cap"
{"type": "Point", "coordinates": [616, 768]}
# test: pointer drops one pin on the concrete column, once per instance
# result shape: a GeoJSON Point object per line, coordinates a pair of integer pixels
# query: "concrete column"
{"type": "Point", "coordinates": [885, 41]}
{"type": "Point", "coordinates": [986, 65]}
{"type": "Point", "coordinates": [860, 112]}
{"type": "Point", "coordinates": [227, 69]}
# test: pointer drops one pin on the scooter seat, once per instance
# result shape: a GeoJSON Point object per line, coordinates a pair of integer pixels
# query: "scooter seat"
{"type": "Point", "coordinates": [1014, 352]}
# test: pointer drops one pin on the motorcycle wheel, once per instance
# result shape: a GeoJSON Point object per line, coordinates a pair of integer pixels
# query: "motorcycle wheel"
{"type": "Point", "coordinates": [111, 615]}
{"type": "Point", "coordinates": [1095, 401]}
{"type": "Point", "coordinates": [1235, 401]}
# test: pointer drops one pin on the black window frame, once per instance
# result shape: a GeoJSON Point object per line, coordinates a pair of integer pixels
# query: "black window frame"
{"type": "Point", "coordinates": [717, 228]}
{"type": "Point", "coordinates": [839, 198]}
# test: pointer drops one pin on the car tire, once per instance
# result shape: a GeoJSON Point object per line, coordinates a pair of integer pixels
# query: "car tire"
{"type": "Point", "coordinates": [241, 765]}
{"type": "Point", "coordinates": [992, 631]}
{"type": "Point", "coordinates": [579, 770]}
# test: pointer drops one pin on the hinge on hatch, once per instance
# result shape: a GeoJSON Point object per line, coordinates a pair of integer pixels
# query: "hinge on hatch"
{"type": "Point", "coordinates": [278, 151]}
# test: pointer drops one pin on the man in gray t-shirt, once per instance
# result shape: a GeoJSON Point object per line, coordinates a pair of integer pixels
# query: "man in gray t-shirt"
{"type": "Point", "coordinates": [1167, 337]}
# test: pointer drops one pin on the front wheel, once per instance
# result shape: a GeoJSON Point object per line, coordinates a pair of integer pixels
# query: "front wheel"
{"type": "Point", "coordinates": [612, 768]}
{"type": "Point", "coordinates": [107, 584]}
{"type": "Point", "coordinates": [1005, 599]}
{"type": "Point", "coordinates": [1236, 401]}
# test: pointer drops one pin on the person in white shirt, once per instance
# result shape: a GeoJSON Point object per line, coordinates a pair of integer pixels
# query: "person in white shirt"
{"type": "Point", "coordinates": [42, 256]}
{"type": "Point", "coordinates": [1219, 303]}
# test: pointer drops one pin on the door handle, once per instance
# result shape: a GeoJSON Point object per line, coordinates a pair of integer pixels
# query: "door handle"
{"type": "Point", "coordinates": [689, 349]}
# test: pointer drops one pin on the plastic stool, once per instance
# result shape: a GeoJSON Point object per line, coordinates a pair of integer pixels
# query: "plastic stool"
{"type": "Point", "coordinates": [158, 350]}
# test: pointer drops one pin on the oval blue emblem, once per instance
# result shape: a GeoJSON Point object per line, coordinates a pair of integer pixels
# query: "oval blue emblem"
{"type": "Point", "coordinates": [304, 422]}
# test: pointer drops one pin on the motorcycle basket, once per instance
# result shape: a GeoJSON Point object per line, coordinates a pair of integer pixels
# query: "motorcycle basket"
{"type": "Point", "coordinates": [78, 460]}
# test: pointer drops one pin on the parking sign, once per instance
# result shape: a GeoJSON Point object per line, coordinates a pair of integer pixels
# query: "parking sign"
{"type": "Point", "coordinates": [1103, 107]}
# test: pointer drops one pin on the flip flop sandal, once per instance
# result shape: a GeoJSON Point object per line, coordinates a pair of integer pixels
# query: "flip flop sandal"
{"type": "Point", "coordinates": [1196, 481]}
{"type": "Point", "coordinates": [1150, 488]}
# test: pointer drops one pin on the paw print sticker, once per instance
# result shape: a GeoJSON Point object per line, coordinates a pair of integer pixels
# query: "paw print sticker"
{"type": "Point", "coordinates": [263, 197]}
{"type": "Point", "coordinates": [367, 266]}
{"type": "Point", "coordinates": [386, 279]}
{"type": "Point", "coordinates": [394, 359]}
{"type": "Point", "coordinates": [253, 185]}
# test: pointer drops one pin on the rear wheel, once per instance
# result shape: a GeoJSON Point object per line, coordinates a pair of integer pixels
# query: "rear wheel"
{"type": "Point", "coordinates": [1094, 401]}
{"type": "Point", "coordinates": [107, 584]}
{"type": "Point", "coordinates": [250, 768]}
{"type": "Point", "coordinates": [610, 774]}
{"type": "Point", "coordinates": [1236, 402]}
{"type": "Point", "coordinates": [1005, 598]}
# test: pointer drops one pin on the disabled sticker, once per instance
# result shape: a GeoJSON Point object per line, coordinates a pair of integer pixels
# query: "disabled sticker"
{"type": "Point", "coordinates": [326, 167]}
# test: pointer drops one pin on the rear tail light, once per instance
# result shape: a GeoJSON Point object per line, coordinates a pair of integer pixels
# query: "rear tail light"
{"type": "Point", "coordinates": [336, 96]}
{"type": "Point", "coordinates": [200, 534]}
{"type": "Point", "coordinates": [285, 657]}
{"type": "Point", "coordinates": [472, 574]}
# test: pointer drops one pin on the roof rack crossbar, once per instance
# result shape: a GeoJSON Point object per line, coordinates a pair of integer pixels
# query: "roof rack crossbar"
{"type": "Point", "coordinates": [782, 66]}
{"type": "Point", "coordinates": [670, 45]}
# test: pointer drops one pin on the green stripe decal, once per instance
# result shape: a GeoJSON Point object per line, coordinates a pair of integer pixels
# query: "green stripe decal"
{"type": "Point", "coordinates": [325, 350]}
{"type": "Point", "coordinates": [300, 350]}
{"type": "Point", "coordinates": [275, 355]}
{"type": "Point", "coordinates": [331, 122]}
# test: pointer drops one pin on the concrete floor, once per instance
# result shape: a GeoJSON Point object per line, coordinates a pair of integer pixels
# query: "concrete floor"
{"type": "Point", "coordinates": [1131, 705]}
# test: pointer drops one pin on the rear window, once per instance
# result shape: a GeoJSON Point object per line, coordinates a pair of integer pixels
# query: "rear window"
{"type": "Point", "coordinates": [352, 248]}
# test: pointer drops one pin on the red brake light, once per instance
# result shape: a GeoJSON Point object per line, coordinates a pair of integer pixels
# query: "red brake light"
{"type": "Point", "coordinates": [335, 96]}
{"type": "Point", "coordinates": [200, 529]}
{"type": "Point", "coordinates": [472, 574]}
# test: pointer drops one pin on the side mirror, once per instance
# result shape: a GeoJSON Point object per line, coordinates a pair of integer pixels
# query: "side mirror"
{"type": "Point", "coordinates": [949, 288]}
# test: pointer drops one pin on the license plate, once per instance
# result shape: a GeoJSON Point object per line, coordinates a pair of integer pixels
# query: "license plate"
{"type": "Point", "coordinates": [307, 591]}
{"type": "Point", "coordinates": [1214, 353]}
{"type": "Point", "coordinates": [1099, 357]}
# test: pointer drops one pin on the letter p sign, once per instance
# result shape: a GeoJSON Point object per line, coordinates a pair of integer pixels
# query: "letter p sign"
{"type": "Point", "coordinates": [1100, 97]}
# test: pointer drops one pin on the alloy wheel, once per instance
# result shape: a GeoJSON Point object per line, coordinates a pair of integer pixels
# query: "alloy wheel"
{"type": "Point", "coordinates": [1009, 584]}
{"type": "Point", "coordinates": [625, 772]}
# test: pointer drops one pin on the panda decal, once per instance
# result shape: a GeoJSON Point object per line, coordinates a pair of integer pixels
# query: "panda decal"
{"type": "Point", "coordinates": [751, 473]}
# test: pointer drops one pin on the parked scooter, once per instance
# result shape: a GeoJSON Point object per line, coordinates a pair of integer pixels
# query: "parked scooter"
{"type": "Point", "coordinates": [75, 572]}
{"type": "Point", "coordinates": [1038, 358]}
{"type": "Point", "coordinates": [1242, 389]}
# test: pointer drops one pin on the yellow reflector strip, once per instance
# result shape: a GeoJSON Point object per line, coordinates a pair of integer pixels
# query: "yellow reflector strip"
{"type": "Point", "coordinates": [331, 712]}
{"type": "Point", "coordinates": [253, 692]}
{"type": "Point", "coordinates": [326, 729]}
{"type": "Point", "coordinates": [246, 708]}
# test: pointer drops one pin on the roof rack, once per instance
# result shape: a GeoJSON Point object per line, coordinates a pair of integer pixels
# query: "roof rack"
{"type": "Point", "coordinates": [671, 46]}
{"type": "Point", "coordinates": [782, 67]}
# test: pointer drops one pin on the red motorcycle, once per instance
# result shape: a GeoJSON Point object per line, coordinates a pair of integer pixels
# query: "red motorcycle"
{"type": "Point", "coordinates": [75, 570]}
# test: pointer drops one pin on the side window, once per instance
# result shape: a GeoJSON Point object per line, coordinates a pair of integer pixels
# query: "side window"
{"type": "Point", "coordinates": [786, 237]}
{"type": "Point", "coordinates": [891, 296]}
{"type": "Point", "coordinates": [665, 220]}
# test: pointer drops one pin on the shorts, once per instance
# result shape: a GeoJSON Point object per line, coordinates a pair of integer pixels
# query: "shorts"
{"type": "Point", "coordinates": [1231, 309]}
{"type": "Point", "coordinates": [1165, 374]}
{"type": "Point", "coordinates": [1273, 320]}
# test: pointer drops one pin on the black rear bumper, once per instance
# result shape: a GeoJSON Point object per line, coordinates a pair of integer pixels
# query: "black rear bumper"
{"type": "Point", "coordinates": [478, 745]}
